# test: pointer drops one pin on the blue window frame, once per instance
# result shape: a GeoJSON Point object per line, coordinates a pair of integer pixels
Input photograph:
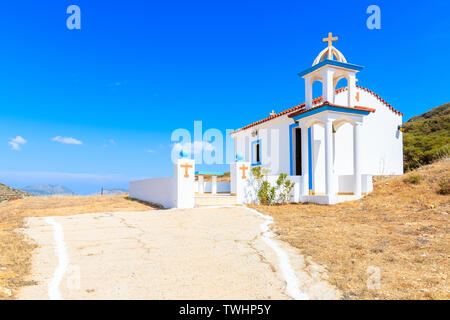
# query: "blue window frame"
{"type": "Point", "coordinates": [310, 180]}
{"type": "Point", "coordinates": [256, 152]}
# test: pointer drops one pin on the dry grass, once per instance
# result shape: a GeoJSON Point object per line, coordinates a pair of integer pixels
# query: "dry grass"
{"type": "Point", "coordinates": [401, 227]}
{"type": "Point", "coordinates": [16, 250]}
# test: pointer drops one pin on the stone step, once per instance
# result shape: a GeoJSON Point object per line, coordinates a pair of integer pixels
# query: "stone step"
{"type": "Point", "coordinates": [215, 200]}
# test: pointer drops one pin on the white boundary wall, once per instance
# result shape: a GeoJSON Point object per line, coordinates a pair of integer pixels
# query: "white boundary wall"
{"type": "Point", "coordinates": [156, 190]}
{"type": "Point", "coordinates": [171, 192]}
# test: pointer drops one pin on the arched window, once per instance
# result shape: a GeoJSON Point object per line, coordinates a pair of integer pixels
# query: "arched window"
{"type": "Point", "coordinates": [317, 89]}
{"type": "Point", "coordinates": [341, 83]}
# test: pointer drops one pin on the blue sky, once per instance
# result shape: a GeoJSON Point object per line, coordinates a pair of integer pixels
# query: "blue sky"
{"type": "Point", "coordinates": [137, 70]}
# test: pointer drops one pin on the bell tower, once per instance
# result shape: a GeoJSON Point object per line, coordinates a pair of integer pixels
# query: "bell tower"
{"type": "Point", "coordinates": [329, 67]}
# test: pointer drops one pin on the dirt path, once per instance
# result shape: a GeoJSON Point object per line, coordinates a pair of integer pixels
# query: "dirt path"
{"type": "Point", "coordinates": [217, 253]}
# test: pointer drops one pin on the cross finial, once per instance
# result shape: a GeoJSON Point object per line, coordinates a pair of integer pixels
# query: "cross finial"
{"type": "Point", "coordinates": [272, 113]}
{"type": "Point", "coordinates": [330, 39]}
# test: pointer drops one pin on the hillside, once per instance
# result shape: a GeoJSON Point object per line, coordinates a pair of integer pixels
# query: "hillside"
{"type": "Point", "coordinates": [48, 190]}
{"type": "Point", "coordinates": [8, 193]}
{"type": "Point", "coordinates": [427, 137]}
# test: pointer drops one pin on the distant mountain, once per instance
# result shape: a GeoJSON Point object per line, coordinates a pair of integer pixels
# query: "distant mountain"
{"type": "Point", "coordinates": [113, 191]}
{"type": "Point", "coordinates": [8, 193]}
{"type": "Point", "coordinates": [427, 137]}
{"type": "Point", "coordinates": [48, 190]}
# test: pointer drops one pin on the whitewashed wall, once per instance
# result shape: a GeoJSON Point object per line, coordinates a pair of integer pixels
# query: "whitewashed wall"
{"type": "Point", "coordinates": [185, 195]}
{"type": "Point", "coordinates": [318, 158]}
{"type": "Point", "coordinates": [343, 150]}
{"type": "Point", "coordinates": [156, 190]}
{"type": "Point", "coordinates": [171, 192]}
{"type": "Point", "coordinates": [381, 141]}
{"type": "Point", "coordinates": [275, 148]}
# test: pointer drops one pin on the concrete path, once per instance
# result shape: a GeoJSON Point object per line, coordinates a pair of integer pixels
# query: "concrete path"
{"type": "Point", "coordinates": [210, 253]}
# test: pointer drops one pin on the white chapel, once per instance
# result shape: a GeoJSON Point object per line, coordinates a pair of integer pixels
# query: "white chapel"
{"type": "Point", "coordinates": [330, 146]}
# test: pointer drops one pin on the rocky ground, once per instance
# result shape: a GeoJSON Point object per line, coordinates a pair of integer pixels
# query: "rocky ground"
{"type": "Point", "coordinates": [8, 193]}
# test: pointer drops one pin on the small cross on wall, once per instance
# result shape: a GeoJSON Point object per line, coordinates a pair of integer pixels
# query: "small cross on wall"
{"type": "Point", "coordinates": [186, 167]}
{"type": "Point", "coordinates": [243, 168]}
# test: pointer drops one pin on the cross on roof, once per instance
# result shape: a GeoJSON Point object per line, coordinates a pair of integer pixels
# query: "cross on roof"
{"type": "Point", "coordinates": [330, 39]}
{"type": "Point", "coordinates": [272, 113]}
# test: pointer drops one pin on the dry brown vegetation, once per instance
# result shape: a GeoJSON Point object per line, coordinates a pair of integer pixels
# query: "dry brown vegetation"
{"type": "Point", "coordinates": [401, 227]}
{"type": "Point", "coordinates": [16, 250]}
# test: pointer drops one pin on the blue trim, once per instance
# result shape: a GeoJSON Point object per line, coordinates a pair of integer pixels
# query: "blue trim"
{"type": "Point", "coordinates": [309, 159]}
{"type": "Point", "coordinates": [209, 173]}
{"type": "Point", "coordinates": [260, 153]}
{"type": "Point", "coordinates": [332, 63]}
{"type": "Point", "coordinates": [314, 111]}
{"type": "Point", "coordinates": [291, 151]}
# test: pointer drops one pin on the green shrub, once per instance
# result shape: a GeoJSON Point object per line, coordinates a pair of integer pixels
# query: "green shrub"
{"type": "Point", "coordinates": [268, 194]}
{"type": "Point", "coordinates": [444, 187]}
{"type": "Point", "coordinates": [258, 173]}
{"type": "Point", "coordinates": [285, 187]}
{"type": "Point", "coordinates": [413, 179]}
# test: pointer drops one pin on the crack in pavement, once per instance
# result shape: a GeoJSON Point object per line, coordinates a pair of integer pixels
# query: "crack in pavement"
{"type": "Point", "coordinates": [137, 238]}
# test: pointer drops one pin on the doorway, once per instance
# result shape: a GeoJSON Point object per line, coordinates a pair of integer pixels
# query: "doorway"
{"type": "Point", "coordinates": [298, 152]}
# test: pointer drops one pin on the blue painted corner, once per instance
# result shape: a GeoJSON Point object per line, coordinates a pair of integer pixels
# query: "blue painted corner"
{"type": "Point", "coordinates": [291, 151]}
{"type": "Point", "coordinates": [309, 159]}
{"type": "Point", "coordinates": [332, 63]}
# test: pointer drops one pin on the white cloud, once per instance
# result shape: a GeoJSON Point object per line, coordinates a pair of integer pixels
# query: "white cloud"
{"type": "Point", "coordinates": [16, 143]}
{"type": "Point", "coordinates": [194, 148]}
{"type": "Point", "coordinates": [67, 140]}
{"type": "Point", "coordinates": [150, 151]}
{"type": "Point", "coordinates": [117, 83]}
{"type": "Point", "coordinates": [111, 142]}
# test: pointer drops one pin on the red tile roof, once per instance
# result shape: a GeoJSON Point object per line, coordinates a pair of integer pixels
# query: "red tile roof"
{"type": "Point", "coordinates": [315, 101]}
{"type": "Point", "coordinates": [380, 99]}
{"type": "Point", "coordinates": [326, 103]}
